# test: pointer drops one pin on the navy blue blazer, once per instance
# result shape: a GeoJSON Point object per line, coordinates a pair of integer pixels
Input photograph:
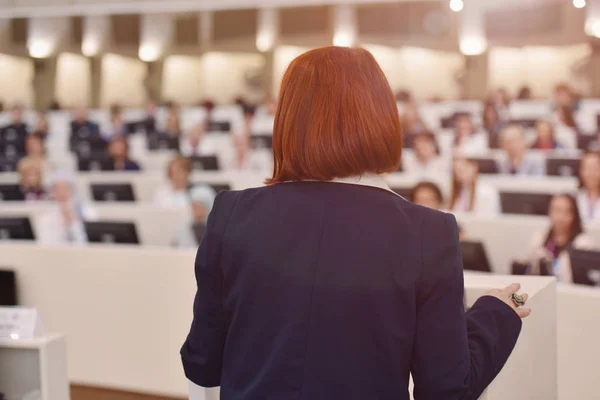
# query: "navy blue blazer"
{"type": "Point", "coordinates": [333, 291]}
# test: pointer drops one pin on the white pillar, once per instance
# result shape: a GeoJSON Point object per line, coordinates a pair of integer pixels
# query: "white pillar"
{"type": "Point", "coordinates": [592, 22]}
{"type": "Point", "coordinates": [345, 30]}
{"type": "Point", "coordinates": [155, 36]}
{"type": "Point", "coordinates": [206, 29]}
{"type": "Point", "coordinates": [472, 39]}
{"type": "Point", "coordinates": [45, 34]}
{"type": "Point", "coordinates": [267, 29]}
{"type": "Point", "coordinates": [95, 34]}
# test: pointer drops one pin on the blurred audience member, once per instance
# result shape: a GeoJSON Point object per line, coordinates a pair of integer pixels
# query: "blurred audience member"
{"type": "Point", "coordinates": [404, 96]}
{"type": "Point", "coordinates": [209, 108]}
{"type": "Point", "coordinates": [412, 124]}
{"type": "Point", "coordinates": [468, 193]}
{"type": "Point", "coordinates": [544, 137]}
{"type": "Point", "coordinates": [244, 158]}
{"type": "Point", "coordinates": [34, 147]}
{"type": "Point", "coordinates": [64, 224]}
{"type": "Point", "coordinates": [427, 194]}
{"type": "Point", "coordinates": [194, 143]}
{"type": "Point", "coordinates": [31, 180]}
{"type": "Point", "coordinates": [588, 197]}
{"type": "Point", "coordinates": [117, 125]}
{"type": "Point", "coordinates": [173, 124]}
{"type": "Point", "coordinates": [549, 250]}
{"type": "Point", "coordinates": [175, 193]}
{"type": "Point", "coordinates": [41, 126]}
{"type": "Point", "coordinates": [564, 117]}
{"type": "Point", "coordinates": [149, 121]}
{"type": "Point", "coordinates": [466, 140]}
{"type": "Point", "coordinates": [118, 149]}
{"type": "Point", "coordinates": [500, 99]}
{"type": "Point", "coordinates": [524, 93]}
{"type": "Point", "coordinates": [81, 126]}
{"type": "Point", "coordinates": [564, 97]}
{"type": "Point", "coordinates": [516, 160]}
{"type": "Point", "coordinates": [491, 124]}
{"type": "Point", "coordinates": [425, 161]}
{"type": "Point", "coordinates": [201, 202]}
{"type": "Point", "coordinates": [14, 134]}
{"type": "Point", "coordinates": [17, 123]}
{"type": "Point", "coordinates": [271, 105]}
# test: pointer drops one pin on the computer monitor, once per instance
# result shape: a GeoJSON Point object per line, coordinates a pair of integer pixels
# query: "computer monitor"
{"type": "Point", "coordinates": [112, 192]}
{"type": "Point", "coordinates": [159, 141]}
{"type": "Point", "coordinates": [205, 163]}
{"type": "Point", "coordinates": [111, 232]}
{"type": "Point", "coordinates": [11, 192]}
{"type": "Point", "coordinates": [218, 127]}
{"type": "Point", "coordinates": [585, 265]}
{"type": "Point", "coordinates": [8, 165]}
{"type": "Point", "coordinates": [525, 203]}
{"type": "Point", "coordinates": [262, 141]}
{"type": "Point", "coordinates": [8, 288]}
{"type": "Point", "coordinates": [486, 165]}
{"type": "Point", "coordinates": [475, 257]}
{"type": "Point", "coordinates": [219, 187]}
{"type": "Point", "coordinates": [88, 146]}
{"type": "Point", "coordinates": [403, 191]}
{"type": "Point", "coordinates": [96, 162]}
{"type": "Point", "coordinates": [16, 228]}
{"type": "Point", "coordinates": [562, 166]}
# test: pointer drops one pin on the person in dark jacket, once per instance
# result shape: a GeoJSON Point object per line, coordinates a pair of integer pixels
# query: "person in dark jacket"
{"type": "Point", "coordinates": [327, 285]}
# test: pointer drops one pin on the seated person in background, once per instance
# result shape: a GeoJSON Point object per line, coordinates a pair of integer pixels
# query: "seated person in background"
{"type": "Point", "coordinates": [516, 160]}
{"type": "Point", "coordinates": [81, 126]}
{"type": "Point", "coordinates": [175, 193]}
{"type": "Point", "coordinates": [468, 193]}
{"type": "Point", "coordinates": [544, 137]}
{"type": "Point", "coordinates": [31, 180]}
{"type": "Point", "coordinates": [588, 197]}
{"type": "Point", "coordinates": [564, 97]}
{"type": "Point", "coordinates": [271, 105]}
{"type": "Point", "coordinates": [117, 125]}
{"type": "Point", "coordinates": [118, 149]}
{"type": "Point", "coordinates": [15, 133]}
{"type": "Point", "coordinates": [563, 117]}
{"type": "Point", "coordinates": [548, 254]}
{"type": "Point", "coordinates": [193, 144]}
{"type": "Point", "coordinates": [209, 107]}
{"type": "Point", "coordinates": [34, 148]}
{"type": "Point", "coordinates": [149, 122]}
{"type": "Point", "coordinates": [466, 140]}
{"type": "Point", "coordinates": [500, 100]}
{"type": "Point", "coordinates": [64, 224]}
{"type": "Point", "coordinates": [173, 124]}
{"type": "Point", "coordinates": [427, 194]}
{"type": "Point", "coordinates": [17, 125]}
{"type": "Point", "coordinates": [412, 124]}
{"type": "Point", "coordinates": [491, 122]}
{"type": "Point", "coordinates": [425, 162]}
{"type": "Point", "coordinates": [524, 93]}
{"type": "Point", "coordinates": [201, 202]}
{"type": "Point", "coordinates": [41, 126]}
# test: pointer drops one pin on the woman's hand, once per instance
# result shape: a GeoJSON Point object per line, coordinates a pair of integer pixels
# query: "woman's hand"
{"type": "Point", "coordinates": [504, 295]}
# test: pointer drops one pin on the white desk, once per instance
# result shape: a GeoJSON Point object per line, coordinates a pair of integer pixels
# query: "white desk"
{"type": "Point", "coordinates": [30, 365]}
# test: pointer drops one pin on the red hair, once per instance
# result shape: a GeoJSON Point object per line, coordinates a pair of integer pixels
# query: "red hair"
{"type": "Point", "coordinates": [336, 117]}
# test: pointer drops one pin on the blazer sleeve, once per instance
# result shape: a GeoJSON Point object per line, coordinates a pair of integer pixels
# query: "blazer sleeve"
{"type": "Point", "coordinates": [202, 352]}
{"type": "Point", "coordinates": [456, 354]}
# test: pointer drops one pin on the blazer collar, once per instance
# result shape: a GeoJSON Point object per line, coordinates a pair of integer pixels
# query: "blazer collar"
{"type": "Point", "coordinates": [371, 180]}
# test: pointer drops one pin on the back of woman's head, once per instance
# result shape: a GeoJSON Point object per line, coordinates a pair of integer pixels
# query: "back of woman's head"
{"type": "Point", "coordinates": [336, 117]}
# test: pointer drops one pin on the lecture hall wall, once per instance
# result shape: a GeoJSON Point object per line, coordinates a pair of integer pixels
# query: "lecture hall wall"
{"type": "Point", "coordinates": [223, 76]}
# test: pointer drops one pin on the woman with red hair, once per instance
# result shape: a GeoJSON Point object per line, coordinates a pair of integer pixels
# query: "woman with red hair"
{"type": "Point", "coordinates": [325, 284]}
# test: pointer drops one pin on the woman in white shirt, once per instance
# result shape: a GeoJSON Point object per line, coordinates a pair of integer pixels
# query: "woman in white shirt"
{"type": "Point", "coordinates": [588, 197]}
{"type": "Point", "coordinates": [175, 193]}
{"type": "Point", "coordinates": [425, 162]}
{"type": "Point", "coordinates": [466, 140]}
{"type": "Point", "coordinates": [190, 234]}
{"type": "Point", "coordinates": [549, 250]}
{"type": "Point", "coordinates": [64, 223]}
{"type": "Point", "coordinates": [468, 193]}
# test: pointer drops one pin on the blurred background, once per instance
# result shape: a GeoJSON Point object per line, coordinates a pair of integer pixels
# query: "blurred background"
{"type": "Point", "coordinates": [121, 120]}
